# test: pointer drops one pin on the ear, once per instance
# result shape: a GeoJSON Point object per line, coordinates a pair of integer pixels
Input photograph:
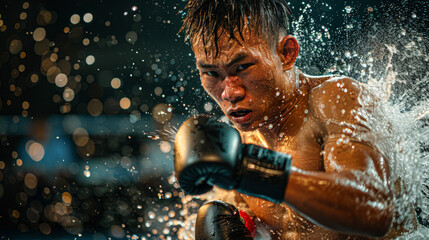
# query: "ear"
{"type": "Point", "coordinates": [288, 50]}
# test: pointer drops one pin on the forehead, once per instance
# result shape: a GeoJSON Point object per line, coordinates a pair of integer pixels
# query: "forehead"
{"type": "Point", "coordinates": [248, 42]}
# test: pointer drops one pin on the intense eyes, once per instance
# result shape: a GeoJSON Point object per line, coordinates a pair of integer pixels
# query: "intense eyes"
{"type": "Point", "coordinates": [243, 66]}
{"type": "Point", "coordinates": [212, 73]}
{"type": "Point", "coordinates": [240, 68]}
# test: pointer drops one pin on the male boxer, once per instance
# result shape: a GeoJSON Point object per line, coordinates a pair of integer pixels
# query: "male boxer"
{"type": "Point", "coordinates": [337, 186]}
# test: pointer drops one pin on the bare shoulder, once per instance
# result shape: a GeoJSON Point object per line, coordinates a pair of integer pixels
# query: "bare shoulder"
{"type": "Point", "coordinates": [335, 99]}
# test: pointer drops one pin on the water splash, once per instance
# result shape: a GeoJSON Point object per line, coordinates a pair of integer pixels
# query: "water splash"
{"type": "Point", "coordinates": [400, 133]}
{"type": "Point", "coordinates": [168, 133]}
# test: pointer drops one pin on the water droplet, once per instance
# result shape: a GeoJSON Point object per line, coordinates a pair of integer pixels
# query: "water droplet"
{"type": "Point", "coordinates": [348, 9]}
{"type": "Point", "coordinates": [347, 54]}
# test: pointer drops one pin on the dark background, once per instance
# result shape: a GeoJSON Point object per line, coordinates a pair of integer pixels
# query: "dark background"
{"type": "Point", "coordinates": [113, 176]}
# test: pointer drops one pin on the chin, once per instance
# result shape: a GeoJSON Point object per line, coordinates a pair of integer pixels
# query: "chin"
{"type": "Point", "coordinates": [246, 127]}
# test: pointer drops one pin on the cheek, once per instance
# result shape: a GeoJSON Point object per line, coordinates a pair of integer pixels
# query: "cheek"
{"type": "Point", "coordinates": [213, 89]}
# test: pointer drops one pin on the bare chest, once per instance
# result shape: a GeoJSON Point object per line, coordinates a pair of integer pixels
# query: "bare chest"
{"type": "Point", "coordinates": [282, 221]}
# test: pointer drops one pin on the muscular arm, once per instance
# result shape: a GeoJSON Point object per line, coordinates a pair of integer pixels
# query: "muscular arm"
{"type": "Point", "coordinates": [352, 195]}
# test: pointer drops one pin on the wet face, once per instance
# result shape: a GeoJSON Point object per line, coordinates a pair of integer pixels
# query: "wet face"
{"type": "Point", "coordinates": [247, 79]}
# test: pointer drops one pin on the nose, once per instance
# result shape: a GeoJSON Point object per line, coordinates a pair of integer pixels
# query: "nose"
{"type": "Point", "coordinates": [233, 91]}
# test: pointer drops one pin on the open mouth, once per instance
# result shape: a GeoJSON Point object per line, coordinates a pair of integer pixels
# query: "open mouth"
{"type": "Point", "coordinates": [241, 116]}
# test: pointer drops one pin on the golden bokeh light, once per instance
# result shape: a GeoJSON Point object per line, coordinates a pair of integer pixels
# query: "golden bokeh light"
{"type": "Point", "coordinates": [165, 146]}
{"type": "Point", "coordinates": [30, 181]}
{"type": "Point", "coordinates": [68, 94]}
{"type": "Point", "coordinates": [15, 46]}
{"type": "Point", "coordinates": [21, 68]}
{"type": "Point", "coordinates": [75, 19]}
{"type": "Point", "coordinates": [44, 18]}
{"type": "Point", "coordinates": [23, 16]}
{"type": "Point", "coordinates": [85, 41]}
{"type": "Point", "coordinates": [45, 228]}
{"type": "Point", "coordinates": [80, 137]}
{"type": "Point", "coordinates": [162, 113]}
{"type": "Point", "coordinates": [61, 80]}
{"type": "Point", "coordinates": [158, 91]}
{"type": "Point", "coordinates": [19, 162]}
{"type": "Point", "coordinates": [34, 78]}
{"type": "Point", "coordinates": [25, 105]}
{"type": "Point", "coordinates": [15, 213]}
{"type": "Point", "coordinates": [67, 198]}
{"type": "Point", "coordinates": [65, 108]}
{"type": "Point", "coordinates": [35, 150]}
{"type": "Point", "coordinates": [95, 107]}
{"type": "Point", "coordinates": [53, 57]}
{"type": "Point", "coordinates": [125, 103]}
{"type": "Point", "coordinates": [39, 34]}
{"type": "Point", "coordinates": [52, 72]}
{"type": "Point", "coordinates": [115, 83]}
{"type": "Point", "coordinates": [88, 149]}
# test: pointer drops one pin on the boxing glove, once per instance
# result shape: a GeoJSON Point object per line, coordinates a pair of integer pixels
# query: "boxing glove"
{"type": "Point", "coordinates": [217, 220]}
{"type": "Point", "coordinates": [208, 152]}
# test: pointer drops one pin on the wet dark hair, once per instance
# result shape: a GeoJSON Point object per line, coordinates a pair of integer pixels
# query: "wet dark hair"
{"type": "Point", "coordinates": [204, 19]}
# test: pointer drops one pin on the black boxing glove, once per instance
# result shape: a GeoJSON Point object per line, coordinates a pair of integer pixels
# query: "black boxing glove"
{"type": "Point", "coordinates": [217, 220]}
{"type": "Point", "coordinates": [208, 152]}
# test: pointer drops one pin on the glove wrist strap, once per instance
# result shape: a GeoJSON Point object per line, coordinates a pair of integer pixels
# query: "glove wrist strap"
{"type": "Point", "coordinates": [263, 173]}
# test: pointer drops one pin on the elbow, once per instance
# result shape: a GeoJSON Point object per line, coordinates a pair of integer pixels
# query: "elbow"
{"type": "Point", "coordinates": [380, 219]}
{"type": "Point", "coordinates": [384, 227]}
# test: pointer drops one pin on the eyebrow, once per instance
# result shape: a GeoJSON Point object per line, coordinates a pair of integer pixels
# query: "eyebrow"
{"type": "Point", "coordinates": [236, 59]}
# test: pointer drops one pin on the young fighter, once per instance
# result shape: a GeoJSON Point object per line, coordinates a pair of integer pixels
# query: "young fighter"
{"type": "Point", "coordinates": [334, 185]}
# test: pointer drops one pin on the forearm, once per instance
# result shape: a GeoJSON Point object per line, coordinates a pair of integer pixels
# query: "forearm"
{"type": "Point", "coordinates": [352, 202]}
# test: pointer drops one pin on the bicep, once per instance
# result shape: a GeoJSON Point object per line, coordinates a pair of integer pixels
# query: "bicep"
{"type": "Point", "coordinates": [348, 143]}
{"type": "Point", "coordinates": [346, 155]}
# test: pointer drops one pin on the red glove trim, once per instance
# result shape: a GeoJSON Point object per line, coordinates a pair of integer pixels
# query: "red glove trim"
{"type": "Point", "coordinates": [248, 222]}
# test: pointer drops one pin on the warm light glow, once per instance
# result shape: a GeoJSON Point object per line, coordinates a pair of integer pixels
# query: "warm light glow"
{"type": "Point", "coordinates": [115, 83]}
{"type": "Point", "coordinates": [35, 150]}
{"type": "Point", "coordinates": [95, 107]}
{"type": "Point", "coordinates": [67, 198]}
{"type": "Point", "coordinates": [61, 80]}
{"type": "Point", "coordinates": [80, 137]}
{"type": "Point", "coordinates": [68, 94]}
{"type": "Point", "coordinates": [165, 146]}
{"type": "Point", "coordinates": [125, 103]}
{"type": "Point", "coordinates": [39, 34]}
{"type": "Point", "coordinates": [75, 19]}
{"type": "Point", "coordinates": [30, 180]}
{"type": "Point", "coordinates": [162, 112]}
{"type": "Point", "coordinates": [15, 46]}
{"type": "Point", "coordinates": [34, 78]}
{"type": "Point", "coordinates": [25, 105]}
